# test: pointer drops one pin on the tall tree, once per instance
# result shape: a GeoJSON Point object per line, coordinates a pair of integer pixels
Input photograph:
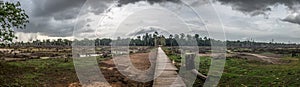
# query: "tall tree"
{"type": "Point", "coordinates": [155, 36]}
{"type": "Point", "coordinates": [170, 40]}
{"type": "Point", "coordinates": [12, 16]}
{"type": "Point", "coordinates": [197, 36]}
{"type": "Point", "coordinates": [182, 36]}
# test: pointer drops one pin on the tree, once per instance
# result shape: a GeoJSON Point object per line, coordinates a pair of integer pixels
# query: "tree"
{"type": "Point", "coordinates": [146, 39]}
{"type": "Point", "coordinates": [176, 36]}
{"type": "Point", "coordinates": [197, 36]}
{"type": "Point", "coordinates": [67, 42]}
{"type": "Point", "coordinates": [59, 42]}
{"type": "Point", "coordinates": [171, 40]}
{"type": "Point", "coordinates": [189, 37]}
{"type": "Point", "coordinates": [12, 16]}
{"type": "Point", "coordinates": [139, 41]}
{"type": "Point", "coordinates": [182, 36]}
{"type": "Point", "coordinates": [162, 40]}
{"type": "Point", "coordinates": [48, 42]}
{"type": "Point", "coordinates": [155, 35]}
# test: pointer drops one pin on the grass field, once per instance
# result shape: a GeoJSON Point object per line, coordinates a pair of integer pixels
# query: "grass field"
{"type": "Point", "coordinates": [241, 72]}
{"type": "Point", "coordinates": [237, 72]}
{"type": "Point", "coordinates": [37, 72]}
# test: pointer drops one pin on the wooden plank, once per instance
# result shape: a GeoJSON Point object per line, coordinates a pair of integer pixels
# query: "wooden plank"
{"type": "Point", "coordinates": [165, 72]}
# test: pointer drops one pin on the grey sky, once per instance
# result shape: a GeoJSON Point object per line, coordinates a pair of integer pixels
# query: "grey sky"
{"type": "Point", "coordinates": [261, 20]}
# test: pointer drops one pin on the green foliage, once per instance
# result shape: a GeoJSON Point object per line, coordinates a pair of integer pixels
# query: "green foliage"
{"type": "Point", "coordinates": [36, 72]}
{"type": "Point", "coordinates": [241, 72]}
{"type": "Point", "coordinates": [174, 57]}
{"type": "Point", "coordinates": [12, 16]}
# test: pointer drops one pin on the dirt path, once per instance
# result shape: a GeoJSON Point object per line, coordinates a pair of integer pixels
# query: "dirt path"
{"type": "Point", "coordinates": [268, 59]}
{"type": "Point", "coordinates": [251, 56]}
{"type": "Point", "coordinates": [117, 79]}
{"type": "Point", "coordinates": [140, 61]}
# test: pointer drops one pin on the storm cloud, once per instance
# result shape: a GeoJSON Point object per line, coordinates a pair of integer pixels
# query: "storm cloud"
{"type": "Point", "coordinates": [263, 7]}
{"type": "Point", "coordinates": [44, 8]}
{"type": "Point", "coordinates": [293, 18]}
{"type": "Point", "coordinates": [248, 7]}
{"type": "Point", "coordinates": [124, 2]}
{"type": "Point", "coordinates": [56, 18]}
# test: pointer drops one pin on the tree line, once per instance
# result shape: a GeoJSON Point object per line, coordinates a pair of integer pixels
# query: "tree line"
{"type": "Point", "coordinates": [143, 40]}
{"type": "Point", "coordinates": [148, 39]}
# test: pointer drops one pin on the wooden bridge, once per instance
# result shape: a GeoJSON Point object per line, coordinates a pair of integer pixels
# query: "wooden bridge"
{"type": "Point", "coordinates": [165, 72]}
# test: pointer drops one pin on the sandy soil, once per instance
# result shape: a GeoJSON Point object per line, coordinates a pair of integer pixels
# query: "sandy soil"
{"type": "Point", "coordinates": [116, 79]}
{"type": "Point", "coordinates": [258, 57]}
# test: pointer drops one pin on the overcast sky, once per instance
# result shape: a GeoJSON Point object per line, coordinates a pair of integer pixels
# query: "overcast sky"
{"type": "Point", "coordinates": [261, 20]}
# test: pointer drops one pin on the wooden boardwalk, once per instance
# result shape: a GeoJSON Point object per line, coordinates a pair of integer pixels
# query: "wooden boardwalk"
{"type": "Point", "coordinates": [165, 72]}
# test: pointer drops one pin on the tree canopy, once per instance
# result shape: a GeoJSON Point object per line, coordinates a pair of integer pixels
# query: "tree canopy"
{"type": "Point", "coordinates": [12, 17]}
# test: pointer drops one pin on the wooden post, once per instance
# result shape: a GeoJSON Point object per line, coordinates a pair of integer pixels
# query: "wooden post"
{"type": "Point", "coordinates": [189, 61]}
{"type": "Point", "coordinates": [190, 65]}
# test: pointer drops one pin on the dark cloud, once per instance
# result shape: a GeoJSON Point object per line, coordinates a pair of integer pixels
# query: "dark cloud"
{"type": "Point", "coordinates": [49, 27]}
{"type": "Point", "coordinates": [294, 18]}
{"type": "Point", "coordinates": [56, 18]}
{"type": "Point", "coordinates": [124, 2]}
{"type": "Point", "coordinates": [257, 7]}
{"type": "Point", "coordinates": [67, 14]}
{"type": "Point", "coordinates": [197, 2]}
{"type": "Point", "coordinates": [44, 8]}
{"type": "Point", "coordinates": [98, 6]}
{"type": "Point", "coordinates": [66, 9]}
{"type": "Point", "coordinates": [261, 7]}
